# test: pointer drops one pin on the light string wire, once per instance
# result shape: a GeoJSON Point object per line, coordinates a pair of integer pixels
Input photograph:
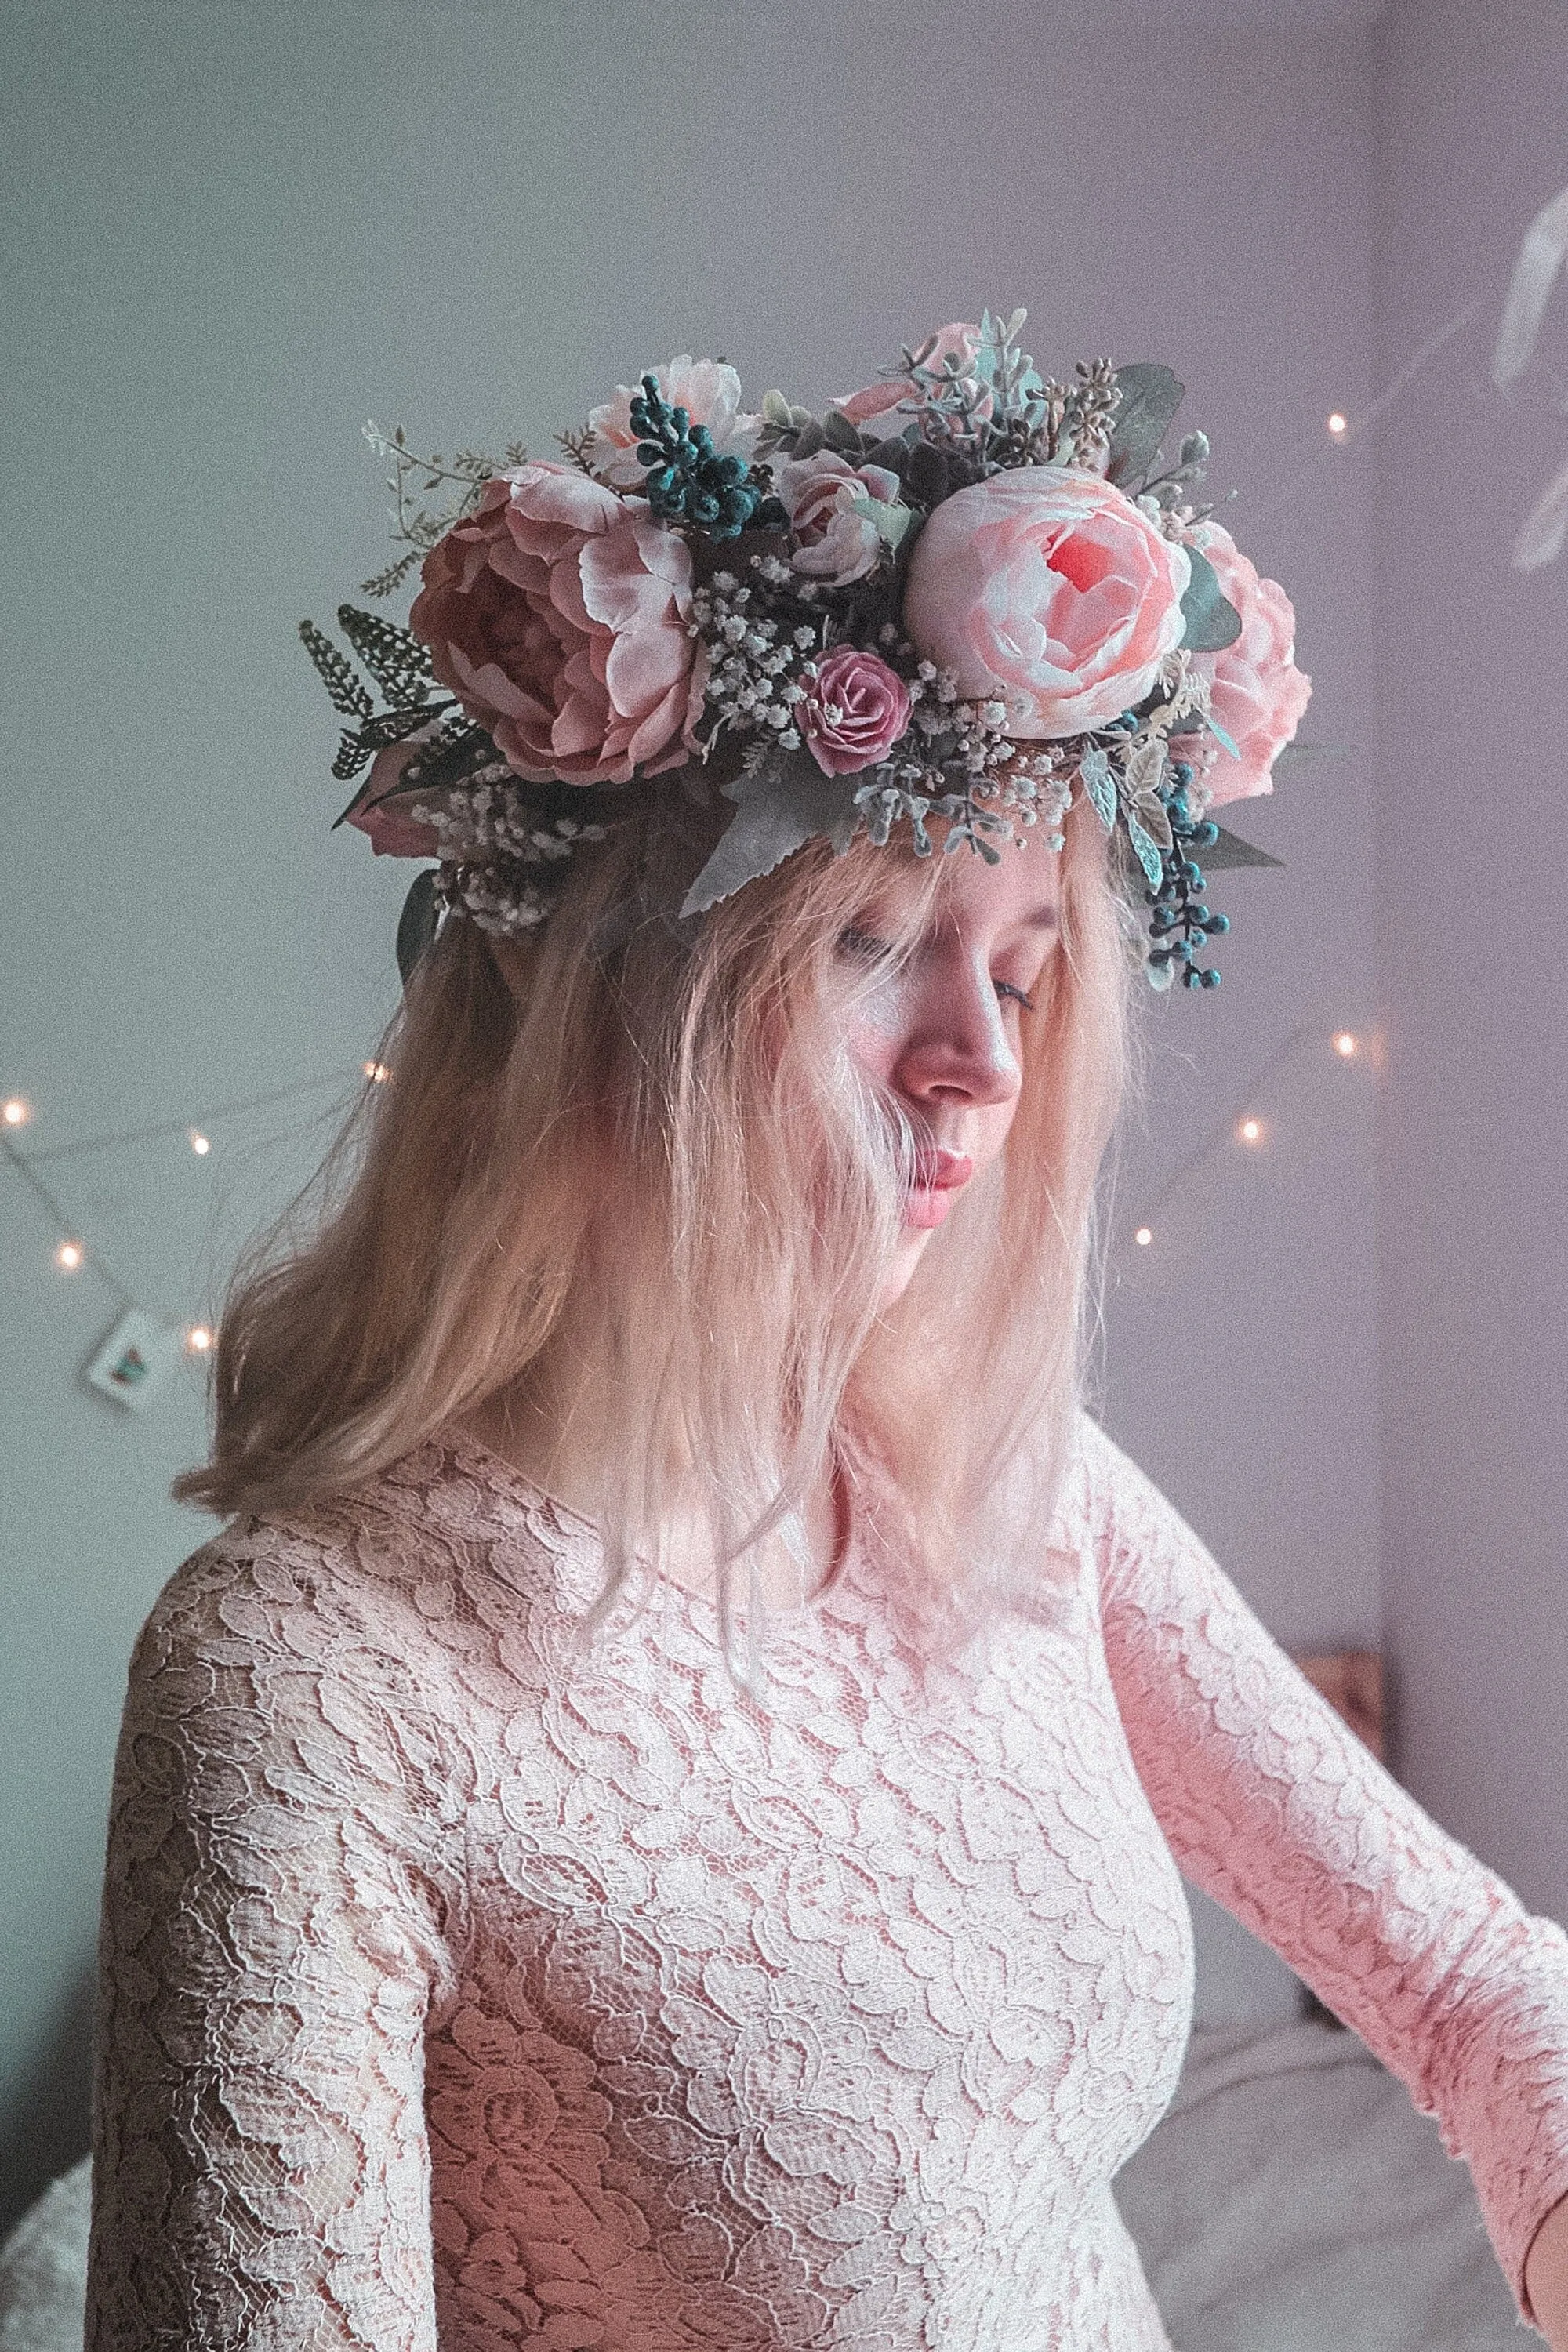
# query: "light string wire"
{"type": "Point", "coordinates": [1228, 1131]}
{"type": "Point", "coordinates": [88, 1257]}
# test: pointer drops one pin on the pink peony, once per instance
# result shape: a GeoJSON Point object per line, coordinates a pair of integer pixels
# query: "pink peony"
{"type": "Point", "coordinates": [558, 615]}
{"type": "Point", "coordinates": [1048, 591]}
{"type": "Point", "coordinates": [392, 832]}
{"type": "Point", "coordinates": [833, 542]}
{"type": "Point", "coordinates": [708, 391]}
{"type": "Point", "coordinates": [854, 711]}
{"type": "Point", "coordinates": [1259, 693]}
{"type": "Point", "coordinates": [878, 405]}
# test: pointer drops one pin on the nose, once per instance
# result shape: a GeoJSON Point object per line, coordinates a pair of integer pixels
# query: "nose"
{"type": "Point", "coordinates": [958, 1050]}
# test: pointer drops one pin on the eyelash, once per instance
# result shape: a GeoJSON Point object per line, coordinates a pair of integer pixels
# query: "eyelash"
{"type": "Point", "coordinates": [858, 942]}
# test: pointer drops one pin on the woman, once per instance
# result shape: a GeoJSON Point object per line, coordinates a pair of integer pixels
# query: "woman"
{"type": "Point", "coordinates": [656, 1825]}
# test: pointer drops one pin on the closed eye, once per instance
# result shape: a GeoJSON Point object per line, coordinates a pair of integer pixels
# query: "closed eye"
{"type": "Point", "coordinates": [856, 942]}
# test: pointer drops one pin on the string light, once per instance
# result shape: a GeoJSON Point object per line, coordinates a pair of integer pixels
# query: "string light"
{"type": "Point", "coordinates": [69, 1257]}
{"type": "Point", "coordinates": [1143, 1236]}
{"type": "Point", "coordinates": [200, 1144]}
{"type": "Point", "coordinates": [377, 1073]}
{"type": "Point", "coordinates": [16, 1112]}
{"type": "Point", "coordinates": [1347, 1044]}
{"type": "Point", "coordinates": [1250, 1130]}
{"type": "Point", "coordinates": [200, 1339]}
{"type": "Point", "coordinates": [1339, 424]}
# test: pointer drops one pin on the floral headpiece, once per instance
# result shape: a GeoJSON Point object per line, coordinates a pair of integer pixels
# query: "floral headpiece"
{"type": "Point", "coordinates": [963, 593]}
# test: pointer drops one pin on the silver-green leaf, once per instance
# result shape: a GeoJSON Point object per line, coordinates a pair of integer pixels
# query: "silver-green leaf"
{"type": "Point", "coordinates": [785, 803]}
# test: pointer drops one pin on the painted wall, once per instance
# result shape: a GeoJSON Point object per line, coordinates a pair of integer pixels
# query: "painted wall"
{"type": "Point", "coordinates": [230, 234]}
{"type": "Point", "coordinates": [1473, 658]}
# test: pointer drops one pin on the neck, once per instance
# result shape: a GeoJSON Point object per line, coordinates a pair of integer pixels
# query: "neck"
{"type": "Point", "coordinates": [556, 1427]}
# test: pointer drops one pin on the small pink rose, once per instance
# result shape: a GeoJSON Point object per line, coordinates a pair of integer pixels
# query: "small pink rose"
{"type": "Point", "coordinates": [558, 614]}
{"type": "Point", "coordinates": [1048, 591]}
{"type": "Point", "coordinates": [833, 542]}
{"type": "Point", "coordinates": [392, 832]}
{"type": "Point", "coordinates": [854, 711]}
{"type": "Point", "coordinates": [708, 391]}
{"type": "Point", "coordinates": [1258, 693]}
{"type": "Point", "coordinates": [877, 404]}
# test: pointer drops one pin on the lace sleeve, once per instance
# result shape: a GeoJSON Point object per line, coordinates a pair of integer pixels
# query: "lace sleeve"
{"type": "Point", "coordinates": [1277, 1810]}
{"type": "Point", "coordinates": [268, 1951]}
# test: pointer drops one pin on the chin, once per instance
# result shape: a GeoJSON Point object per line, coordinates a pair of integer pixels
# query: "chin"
{"type": "Point", "coordinates": [900, 1273]}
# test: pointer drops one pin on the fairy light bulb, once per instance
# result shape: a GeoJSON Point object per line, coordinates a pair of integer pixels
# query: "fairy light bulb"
{"type": "Point", "coordinates": [1339, 424]}
{"type": "Point", "coordinates": [200, 1337]}
{"type": "Point", "coordinates": [377, 1073]}
{"type": "Point", "coordinates": [200, 1144]}
{"type": "Point", "coordinates": [1143, 1236]}
{"type": "Point", "coordinates": [1347, 1044]}
{"type": "Point", "coordinates": [1250, 1131]}
{"type": "Point", "coordinates": [16, 1112]}
{"type": "Point", "coordinates": [69, 1257]}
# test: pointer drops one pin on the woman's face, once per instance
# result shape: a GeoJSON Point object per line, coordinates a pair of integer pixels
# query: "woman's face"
{"type": "Point", "coordinates": [944, 1032]}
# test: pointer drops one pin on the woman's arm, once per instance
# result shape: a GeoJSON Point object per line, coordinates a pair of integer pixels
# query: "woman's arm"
{"type": "Point", "coordinates": [1546, 2276]}
{"type": "Point", "coordinates": [1276, 1808]}
{"type": "Point", "coordinates": [267, 1958]}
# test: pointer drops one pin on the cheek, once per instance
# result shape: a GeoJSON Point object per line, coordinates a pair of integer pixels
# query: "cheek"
{"type": "Point", "coordinates": [993, 1122]}
{"type": "Point", "coordinates": [871, 1040]}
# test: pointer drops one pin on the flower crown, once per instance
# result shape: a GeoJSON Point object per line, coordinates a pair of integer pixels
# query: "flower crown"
{"type": "Point", "coordinates": [963, 593]}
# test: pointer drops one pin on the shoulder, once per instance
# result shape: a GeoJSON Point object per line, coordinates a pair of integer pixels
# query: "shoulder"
{"type": "Point", "coordinates": [350, 1588]}
{"type": "Point", "coordinates": [1114, 1510]}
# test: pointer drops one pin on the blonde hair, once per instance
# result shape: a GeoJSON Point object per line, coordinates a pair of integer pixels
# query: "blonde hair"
{"type": "Point", "coordinates": [664, 1151]}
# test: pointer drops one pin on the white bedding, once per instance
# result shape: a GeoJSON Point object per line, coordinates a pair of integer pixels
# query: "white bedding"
{"type": "Point", "coordinates": [1292, 2200]}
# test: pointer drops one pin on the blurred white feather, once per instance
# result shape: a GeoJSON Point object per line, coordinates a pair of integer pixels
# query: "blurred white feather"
{"type": "Point", "coordinates": [1541, 532]}
{"type": "Point", "coordinates": [1535, 273]}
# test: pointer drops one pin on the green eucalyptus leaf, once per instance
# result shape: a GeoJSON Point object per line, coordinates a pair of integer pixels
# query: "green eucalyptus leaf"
{"type": "Point", "coordinates": [787, 802]}
{"type": "Point", "coordinates": [416, 924]}
{"type": "Point", "coordinates": [1155, 819]}
{"type": "Point", "coordinates": [1212, 621]}
{"type": "Point", "coordinates": [1099, 783]}
{"type": "Point", "coordinates": [1150, 398]}
{"type": "Point", "coordinates": [887, 517]}
{"type": "Point", "coordinates": [1145, 766]}
{"type": "Point", "coordinates": [841, 434]}
{"type": "Point", "coordinates": [1146, 851]}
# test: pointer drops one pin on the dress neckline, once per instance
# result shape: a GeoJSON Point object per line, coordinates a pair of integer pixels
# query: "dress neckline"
{"type": "Point", "coordinates": [504, 1477]}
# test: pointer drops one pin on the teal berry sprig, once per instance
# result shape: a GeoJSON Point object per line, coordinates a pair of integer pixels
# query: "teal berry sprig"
{"type": "Point", "coordinates": [1180, 922]}
{"type": "Point", "coordinates": [689, 481]}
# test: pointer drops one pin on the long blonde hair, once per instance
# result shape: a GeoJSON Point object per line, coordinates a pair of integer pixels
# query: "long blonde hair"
{"type": "Point", "coordinates": [662, 1148]}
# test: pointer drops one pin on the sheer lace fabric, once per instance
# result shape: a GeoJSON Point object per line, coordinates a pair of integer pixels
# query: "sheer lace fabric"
{"type": "Point", "coordinates": [462, 1983]}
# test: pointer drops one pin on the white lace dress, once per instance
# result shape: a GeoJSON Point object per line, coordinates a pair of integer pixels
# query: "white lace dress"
{"type": "Point", "coordinates": [464, 1985]}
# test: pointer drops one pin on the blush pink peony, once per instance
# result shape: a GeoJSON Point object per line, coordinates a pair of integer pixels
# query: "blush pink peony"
{"type": "Point", "coordinates": [1047, 590]}
{"type": "Point", "coordinates": [708, 391]}
{"type": "Point", "coordinates": [833, 542]}
{"type": "Point", "coordinates": [877, 406]}
{"type": "Point", "coordinates": [392, 832]}
{"type": "Point", "coordinates": [1259, 693]}
{"type": "Point", "coordinates": [559, 616]}
{"type": "Point", "coordinates": [854, 711]}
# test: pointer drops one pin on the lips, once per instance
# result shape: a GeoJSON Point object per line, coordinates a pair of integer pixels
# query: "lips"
{"type": "Point", "coordinates": [938, 1175]}
{"type": "Point", "coordinates": [942, 1171]}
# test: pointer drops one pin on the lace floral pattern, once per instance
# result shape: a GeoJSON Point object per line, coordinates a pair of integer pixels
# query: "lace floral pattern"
{"type": "Point", "coordinates": [463, 1983]}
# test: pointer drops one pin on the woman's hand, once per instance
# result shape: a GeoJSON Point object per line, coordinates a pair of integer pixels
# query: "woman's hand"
{"type": "Point", "coordinates": [1546, 2276]}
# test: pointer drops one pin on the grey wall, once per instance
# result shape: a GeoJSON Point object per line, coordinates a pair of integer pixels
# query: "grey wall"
{"type": "Point", "coordinates": [1474, 1241]}
{"type": "Point", "coordinates": [232, 232]}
